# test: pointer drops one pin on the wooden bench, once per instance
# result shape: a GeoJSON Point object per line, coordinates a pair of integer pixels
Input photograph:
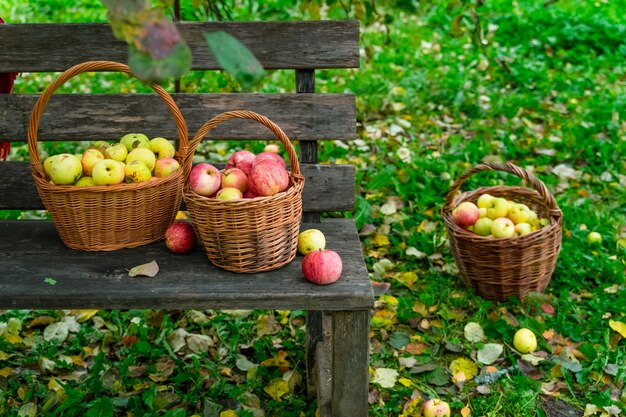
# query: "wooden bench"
{"type": "Point", "coordinates": [30, 250]}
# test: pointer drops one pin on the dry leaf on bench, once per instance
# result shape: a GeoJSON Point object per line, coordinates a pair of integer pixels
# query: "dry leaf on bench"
{"type": "Point", "coordinates": [145, 270]}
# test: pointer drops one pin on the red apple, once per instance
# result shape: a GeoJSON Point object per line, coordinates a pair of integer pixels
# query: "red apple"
{"type": "Point", "coordinates": [322, 266]}
{"type": "Point", "coordinates": [264, 156]}
{"type": "Point", "coordinates": [465, 214]}
{"type": "Point", "coordinates": [248, 194]}
{"type": "Point", "coordinates": [180, 237]}
{"type": "Point", "coordinates": [242, 160]}
{"type": "Point", "coordinates": [268, 178]}
{"type": "Point", "coordinates": [234, 177]}
{"type": "Point", "coordinates": [205, 179]}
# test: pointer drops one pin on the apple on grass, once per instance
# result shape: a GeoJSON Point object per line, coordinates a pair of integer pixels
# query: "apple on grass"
{"type": "Point", "coordinates": [436, 408]}
{"type": "Point", "coordinates": [89, 159]}
{"type": "Point", "coordinates": [165, 167]}
{"type": "Point", "coordinates": [465, 214]}
{"type": "Point", "coordinates": [503, 227]}
{"type": "Point", "coordinates": [117, 152]}
{"type": "Point", "coordinates": [229, 193]}
{"type": "Point", "coordinates": [272, 147]}
{"type": "Point", "coordinates": [234, 177]}
{"type": "Point", "coordinates": [108, 172]}
{"type": "Point", "coordinates": [144, 155]}
{"type": "Point", "coordinates": [162, 148]}
{"type": "Point", "coordinates": [310, 240]}
{"type": "Point", "coordinates": [268, 178]}
{"type": "Point", "coordinates": [135, 140]}
{"type": "Point", "coordinates": [205, 179]}
{"type": "Point", "coordinates": [322, 266]}
{"type": "Point", "coordinates": [63, 169]}
{"type": "Point", "coordinates": [241, 159]}
{"type": "Point", "coordinates": [180, 237]}
{"type": "Point", "coordinates": [137, 171]}
{"type": "Point", "coordinates": [594, 238]}
{"type": "Point", "coordinates": [525, 341]}
{"type": "Point", "coordinates": [498, 207]}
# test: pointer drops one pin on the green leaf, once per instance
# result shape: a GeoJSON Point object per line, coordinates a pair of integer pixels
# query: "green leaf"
{"type": "Point", "coordinates": [398, 340]}
{"type": "Point", "coordinates": [234, 57]}
{"type": "Point", "coordinates": [101, 407]}
{"type": "Point", "coordinates": [50, 281]}
{"type": "Point", "coordinates": [157, 71]}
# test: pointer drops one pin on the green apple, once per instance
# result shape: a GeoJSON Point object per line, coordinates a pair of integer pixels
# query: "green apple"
{"type": "Point", "coordinates": [498, 207]}
{"type": "Point", "coordinates": [162, 148]}
{"type": "Point", "coordinates": [108, 172]}
{"type": "Point", "coordinates": [525, 341]}
{"type": "Point", "coordinates": [482, 212]}
{"type": "Point", "coordinates": [594, 238]}
{"type": "Point", "coordinates": [90, 157]}
{"type": "Point", "coordinates": [63, 169]}
{"type": "Point", "coordinates": [483, 201]}
{"type": "Point", "coordinates": [519, 213]}
{"type": "Point", "coordinates": [543, 222]}
{"type": "Point", "coordinates": [137, 171]}
{"type": "Point", "coordinates": [229, 193]}
{"type": "Point", "coordinates": [482, 227]}
{"type": "Point", "coordinates": [135, 140]}
{"type": "Point", "coordinates": [101, 145]}
{"type": "Point", "coordinates": [503, 227]}
{"type": "Point", "coordinates": [85, 182]}
{"type": "Point", "coordinates": [165, 166]}
{"type": "Point", "coordinates": [311, 240]}
{"type": "Point", "coordinates": [117, 152]}
{"type": "Point", "coordinates": [144, 155]}
{"type": "Point", "coordinates": [522, 229]}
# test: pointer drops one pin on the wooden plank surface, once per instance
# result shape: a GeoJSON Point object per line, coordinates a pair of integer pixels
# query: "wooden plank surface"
{"type": "Point", "coordinates": [84, 117]}
{"type": "Point", "coordinates": [31, 251]}
{"type": "Point", "coordinates": [277, 45]}
{"type": "Point", "coordinates": [327, 187]}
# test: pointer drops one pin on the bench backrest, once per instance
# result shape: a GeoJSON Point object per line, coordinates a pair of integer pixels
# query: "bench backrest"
{"type": "Point", "coordinates": [306, 117]}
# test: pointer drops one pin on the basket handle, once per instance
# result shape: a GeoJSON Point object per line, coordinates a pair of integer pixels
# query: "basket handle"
{"type": "Point", "coordinates": [45, 97]}
{"type": "Point", "coordinates": [537, 184]}
{"type": "Point", "coordinates": [243, 114]}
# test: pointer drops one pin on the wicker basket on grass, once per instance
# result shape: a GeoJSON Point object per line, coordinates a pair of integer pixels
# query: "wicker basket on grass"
{"type": "Point", "coordinates": [105, 218]}
{"type": "Point", "coordinates": [250, 234]}
{"type": "Point", "coordinates": [513, 267]}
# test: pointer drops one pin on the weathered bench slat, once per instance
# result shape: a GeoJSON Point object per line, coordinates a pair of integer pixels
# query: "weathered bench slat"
{"type": "Point", "coordinates": [32, 251]}
{"type": "Point", "coordinates": [327, 187]}
{"type": "Point", "coordinates": [110, 116]}
{"type": "Point", "coordinates": [277, 45]}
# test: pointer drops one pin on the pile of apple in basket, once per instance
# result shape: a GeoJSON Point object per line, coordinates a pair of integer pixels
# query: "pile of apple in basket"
{"type": "Point", "coordinates": [497, 217]}
{"type": "Point", "coordinates": [248, 176]}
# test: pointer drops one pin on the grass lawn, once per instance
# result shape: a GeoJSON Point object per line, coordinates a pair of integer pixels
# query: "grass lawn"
{"type": "Point", "coordinates": [443, 86]}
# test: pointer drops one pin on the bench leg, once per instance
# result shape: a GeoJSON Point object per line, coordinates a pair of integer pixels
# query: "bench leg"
{"type": "Point", "coordinates": [338, 361]}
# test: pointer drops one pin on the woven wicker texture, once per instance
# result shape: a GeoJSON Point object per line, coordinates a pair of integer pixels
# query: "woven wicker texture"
{"type": "Point", "coordinates": [501, 268]}
{"type": "Point", "coordinates": [104, 218]}
{"type": "Point", "coordinates": [251, 234]}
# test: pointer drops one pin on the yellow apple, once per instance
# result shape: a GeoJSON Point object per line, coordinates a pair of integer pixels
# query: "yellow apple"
{"type": "Point", "coordinates": [311, 240]}
{"type": "Point", "coordinates": [525, 341]}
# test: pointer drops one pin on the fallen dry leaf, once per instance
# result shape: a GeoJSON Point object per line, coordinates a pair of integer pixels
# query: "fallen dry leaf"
{"type": "Point", "coordinates": [144, 270]}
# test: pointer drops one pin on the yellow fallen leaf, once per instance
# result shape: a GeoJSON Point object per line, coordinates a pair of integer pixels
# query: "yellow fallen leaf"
{"type": "Point", "coordinates": [463, 369]}
{"type": "Point", "coordinates": [12, 338]}
{"type": "Point", "coordinates": [380, 240]}
{"type": "Point", "coordinates": [618, 326]}
{"type": "Point", "coordinates": [83, 315]}
{"type": "Point", "coordinates": [279, 360]}
{"type": "Point", "coordinates": [3, 356]}
{"type": "Point", "coordinates": [405, 381]}
{"type": "Point", "coordinates": [465, 411]}
{"type": "Point", "coordinates": [228, 413]}
{"type": "Point", "coordinates": [277, 388]}
{"type": "Point", "coordinates": [5, 372]}
{"type": "Point", "coordinates": [385, 377]}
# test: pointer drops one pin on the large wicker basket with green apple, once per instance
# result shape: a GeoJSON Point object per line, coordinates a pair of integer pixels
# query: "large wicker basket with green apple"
{"type": "Point", "coordinates": [104, 218]}
{"type": "Point", "coordinates": [507, 267]}
{"type": "Point", "coordinates": [248, 234]}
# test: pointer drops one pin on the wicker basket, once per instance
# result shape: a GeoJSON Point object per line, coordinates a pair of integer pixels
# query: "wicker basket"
{"type": "Point", "coordinates": [104, 218]}
{"type": "Point", "coordinates": [251, 234]}
{"type": "Point", "coordinates": [501, 268]}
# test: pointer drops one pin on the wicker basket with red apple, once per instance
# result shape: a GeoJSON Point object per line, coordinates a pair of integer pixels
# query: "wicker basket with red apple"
{"type": "Point", "coordinates": [505, 240]}
{"type": "Point", "coordinates": [93, 196]}
{"type": "Point", "coordinates": [246, 216]}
